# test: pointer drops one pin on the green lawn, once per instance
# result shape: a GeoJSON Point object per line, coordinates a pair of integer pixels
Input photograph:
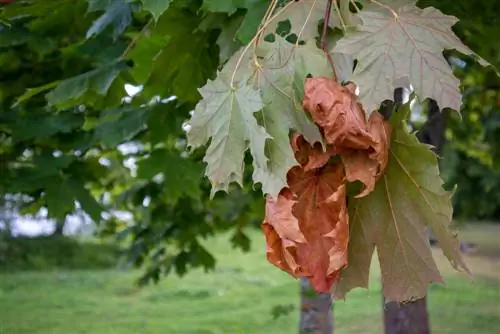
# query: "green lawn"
{"type": "Point", "coordinates": [236, 298]}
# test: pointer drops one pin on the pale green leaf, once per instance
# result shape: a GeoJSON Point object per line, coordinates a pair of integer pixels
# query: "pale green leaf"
{"type": "Point", "coordinates": [118, 15]}
{"type": "Point", "coordinates": [226, 115]}
{"type": "Point", "coordinates": [304, 16]}
{"type": "Point", "coordinates": [156, 7]}
{"type": "Point", "coordinates": [407, 200]}
{"type": "Point", "coordinates": [390, 48]}
{"type": "Point", "coordinates": [285, 66]}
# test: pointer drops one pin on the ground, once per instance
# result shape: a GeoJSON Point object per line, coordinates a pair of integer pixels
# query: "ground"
{"type": "Point", "coordinates": [237, 298]}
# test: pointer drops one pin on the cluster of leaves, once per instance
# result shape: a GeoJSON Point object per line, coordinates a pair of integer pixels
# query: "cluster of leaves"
{"type": "Point", "coordinates": [69, 139]}
{"type": "Point", "coordinates": [249, 106]}
{"type": "Point", "coordinates": [307, 225]}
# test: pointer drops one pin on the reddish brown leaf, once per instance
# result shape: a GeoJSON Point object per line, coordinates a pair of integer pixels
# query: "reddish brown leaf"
{"type": "Point", "coordinates": [310, 157]}
{"type": "Point", "coordinates": [335, 109]}
{"type": "Point", "coordinates": [282, 233]}
{"type": "Point", "coordinates": [306, 228]}
{"type": "Point", "coordinates": [322, 214]}
{"type": "Point", "coordinates": [368, 165]}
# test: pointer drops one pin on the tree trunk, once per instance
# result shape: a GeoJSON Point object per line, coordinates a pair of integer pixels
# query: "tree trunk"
{"type": "Point", "coordinates": [59, 227]}
{"type": "Point", "coordinates": [413, 317]}
{"type": "Point", "coordinates": [316, 310]}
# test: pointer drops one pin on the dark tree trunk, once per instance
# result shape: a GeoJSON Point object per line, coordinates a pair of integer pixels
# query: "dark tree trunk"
{"type": "Point", "coordinates": [59, 227]}
{"type": "Point", "coordinates": [316, 310]}
{"type": "Point", "coordinates": [413, 317]}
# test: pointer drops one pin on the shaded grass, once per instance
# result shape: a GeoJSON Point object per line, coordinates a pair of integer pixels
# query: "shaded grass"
{"type": "Point", "coordinates": [236, 298]}
{"type": "Point", "coordinates": [51, 252]}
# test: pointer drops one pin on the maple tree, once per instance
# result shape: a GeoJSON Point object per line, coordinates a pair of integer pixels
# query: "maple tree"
{"type": "Point", "coordinates": [275, 83]}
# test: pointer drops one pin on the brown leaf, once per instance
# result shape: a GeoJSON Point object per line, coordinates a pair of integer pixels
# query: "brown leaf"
{"type": "Point", "coordinates": [335, 109]}
{"type": "Point", "coordinates": [322, 214]}
{"type": "Point", "coordinates": [368, 165]}
{"type": "Point", "coordinates": [282, 233]}
{"type": "Point", "coordinates": [306, 228]}
{"type": "Point", "coordinates": [310, 157]}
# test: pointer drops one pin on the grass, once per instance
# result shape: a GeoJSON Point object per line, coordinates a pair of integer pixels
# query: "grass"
{"type": "Point", "coordinates": [236, 298]}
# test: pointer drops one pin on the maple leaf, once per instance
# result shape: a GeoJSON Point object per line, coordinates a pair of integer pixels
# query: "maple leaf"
{"type": "Point", "coordinates": [226, 116]}
{"type": "Point", "coordinates": [368, 165]}
{"type": "Point", "coordinates": [156, 7]}
{"type": "Point", "coordinates": [306, 228]}
{"type": "Point", "coordinates": [282, 66]}
{"type": "Point", "coordinates": [310, 157]}
{"type": "Point", "coordinates": [304, 16]}
{"type": "Point", "coordinates": [409, 45]}
{"type": "Point", "coordinates": [408, 199]}
{"type": "Point", "coordinates": [335, 109]}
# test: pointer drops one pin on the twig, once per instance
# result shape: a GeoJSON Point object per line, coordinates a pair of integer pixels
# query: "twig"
{"type": "Point", "coordinates": [254, 39]}
{"type": "Point", "coordinates": [135, 40]}
{"type": "Point", "coordinates": [324, 45]}
{"type": "Point", "coordinates": [353, 2]}
{"type": "Point", "coordinates": [396, 16]}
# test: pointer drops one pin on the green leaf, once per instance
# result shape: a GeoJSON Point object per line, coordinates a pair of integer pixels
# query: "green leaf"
{"type": "Point", "coordinates": [119, 125]}
{"type": "Point", "coordinates": [285, 67]}
{"type": "Point", "coordinates": [59, 197]}
{"type": "Point", "coordinates": [226, 41]}
{"type": "Point", "coordinates": [251, 21]}
{"type": "Point", "coordinates": [87, 202]}
{"type": "Point", "coordinates": [61, 194]}
{"type": "Point", "coordinates": [395, 217]}
{"type": "Point", "coordinates": [187, 60]}
{"type": "Point", "coordinates": [44, 126]}
{"type": "Point", "coordinates": [118, 15]}
{"type": "Point", "coordinates": [410, 46]}
{"type": "Point", "coordinates": [224, 6]}
{"type": "Point", "coordinates": [226, 116]}
{"type": "Point", "coordinates": [156, 7]}
{"type": "Point", "coordinates": [30, 92]}
{"type": "Point", "coordinates": [69, 91]}
{"type": "Point", "coordinates": [182, 175]}
{"type": "Point", "coordinates": [304, 16]}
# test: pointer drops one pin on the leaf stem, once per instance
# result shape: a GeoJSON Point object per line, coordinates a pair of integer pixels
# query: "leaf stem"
{"type": "Point", "coordinates": [396, 16]}
{"type": "Point", "coordinates": [255, 38]}
{"type": "Point", "coordinates": [353, 2]}
{"type": "Point", "coordinates": [135, 40]}
{"type": "Point", "coordinates": [339, 14]}
{"type": "Point", "coordinates": [324, 45]}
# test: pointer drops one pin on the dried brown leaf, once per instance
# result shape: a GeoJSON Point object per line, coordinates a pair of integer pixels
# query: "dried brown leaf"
{"type": "Point", "coordinates": [368, 165]}
{"type": "Point", "coordinates": [310, 157]}
{"type": "Point", "coordinates": [306, 227]}
{"type": "Point", "coordinates": [335, 109]}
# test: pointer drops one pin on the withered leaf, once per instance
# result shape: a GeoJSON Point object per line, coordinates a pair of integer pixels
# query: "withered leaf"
{"type": "Point", "coordinates": [322, 214]}
{"type": "Point", "coordinates": [310, 157]}
{"type": "Point", "coordinates": [335, 109]}
{"type": "Point", "coordinates": [306, 227]}
{"type": "Point", "coordinates": [368, 165]}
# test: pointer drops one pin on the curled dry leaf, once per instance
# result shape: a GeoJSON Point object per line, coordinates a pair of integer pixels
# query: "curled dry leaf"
{"type": "Point", "coordinates": [310, 157]}
{"type": "Point", "coordinates": [335, 109]}
{"type": "Point", "coordinates": [306, 227]}
{"type": "Point", "coordinates": [368, 165]}
{"type": "Point", "coordinates": [363, 147]}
